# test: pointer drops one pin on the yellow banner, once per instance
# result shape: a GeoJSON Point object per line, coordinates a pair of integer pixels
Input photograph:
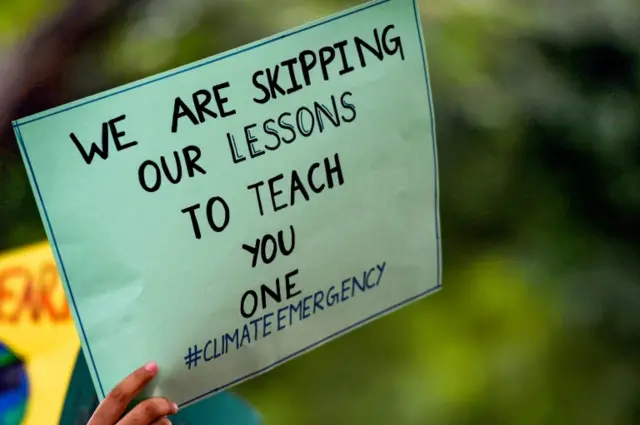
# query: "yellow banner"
{"type": "Point", "coordinates": [38, 341]}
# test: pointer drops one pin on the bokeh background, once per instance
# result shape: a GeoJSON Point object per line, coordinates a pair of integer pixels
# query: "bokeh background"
{"type": "Point", "coordinates": [538, 121]}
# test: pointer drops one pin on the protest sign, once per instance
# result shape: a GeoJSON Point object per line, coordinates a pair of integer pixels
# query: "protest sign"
{"type": "Point", "coordinates": [229, 215]}
{"type": "Point", "coordinates": [38, 341]}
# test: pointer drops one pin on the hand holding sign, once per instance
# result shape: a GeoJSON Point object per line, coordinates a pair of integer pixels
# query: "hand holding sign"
{"type": "Point", "coordinates": [224, 408]}
{"type": "Point", "coordinates": [151, 411]}
{"type": "Point", "coordinates": [239, 211]}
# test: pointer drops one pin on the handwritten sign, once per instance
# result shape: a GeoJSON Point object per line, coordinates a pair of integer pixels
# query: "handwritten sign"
{"type": "Point", "coordinates": [224, 217]}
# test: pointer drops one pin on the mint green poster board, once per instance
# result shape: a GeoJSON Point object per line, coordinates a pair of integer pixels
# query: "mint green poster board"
{"type": "Point", "coordinates": [224, 408]}
{"type": "Point", "coordinates": [224, 217]}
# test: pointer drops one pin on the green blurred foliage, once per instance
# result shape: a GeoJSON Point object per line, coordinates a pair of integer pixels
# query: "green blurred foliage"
{"type": "Point", "coordinates": [18, 16]}
{"type": "Point", "coordinates": [538, 118]}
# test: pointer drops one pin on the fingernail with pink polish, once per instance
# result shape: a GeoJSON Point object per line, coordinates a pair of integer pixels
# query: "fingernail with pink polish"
{"type": "Point", "coordinates": [151, 367]}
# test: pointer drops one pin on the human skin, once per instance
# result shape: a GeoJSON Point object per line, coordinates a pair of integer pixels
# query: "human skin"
{"type": "Point", "coordinates": [152, 411]}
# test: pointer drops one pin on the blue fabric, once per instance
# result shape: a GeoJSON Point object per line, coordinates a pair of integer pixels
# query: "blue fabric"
{"type": "Point", "coordinates": [221, 409]}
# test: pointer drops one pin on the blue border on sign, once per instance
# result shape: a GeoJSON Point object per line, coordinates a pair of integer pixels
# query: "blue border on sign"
{"type": "Point", "coordinates": [57, 250]}
{"type": "Point", "coordinates": [18, 124]}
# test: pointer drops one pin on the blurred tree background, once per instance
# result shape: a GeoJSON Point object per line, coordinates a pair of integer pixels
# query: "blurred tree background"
{"type": "Point", "coordinates": [538, 122]}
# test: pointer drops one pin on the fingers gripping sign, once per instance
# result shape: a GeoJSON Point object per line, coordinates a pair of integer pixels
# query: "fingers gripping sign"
{"type": "Point", "coordinates": [151, 411]}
